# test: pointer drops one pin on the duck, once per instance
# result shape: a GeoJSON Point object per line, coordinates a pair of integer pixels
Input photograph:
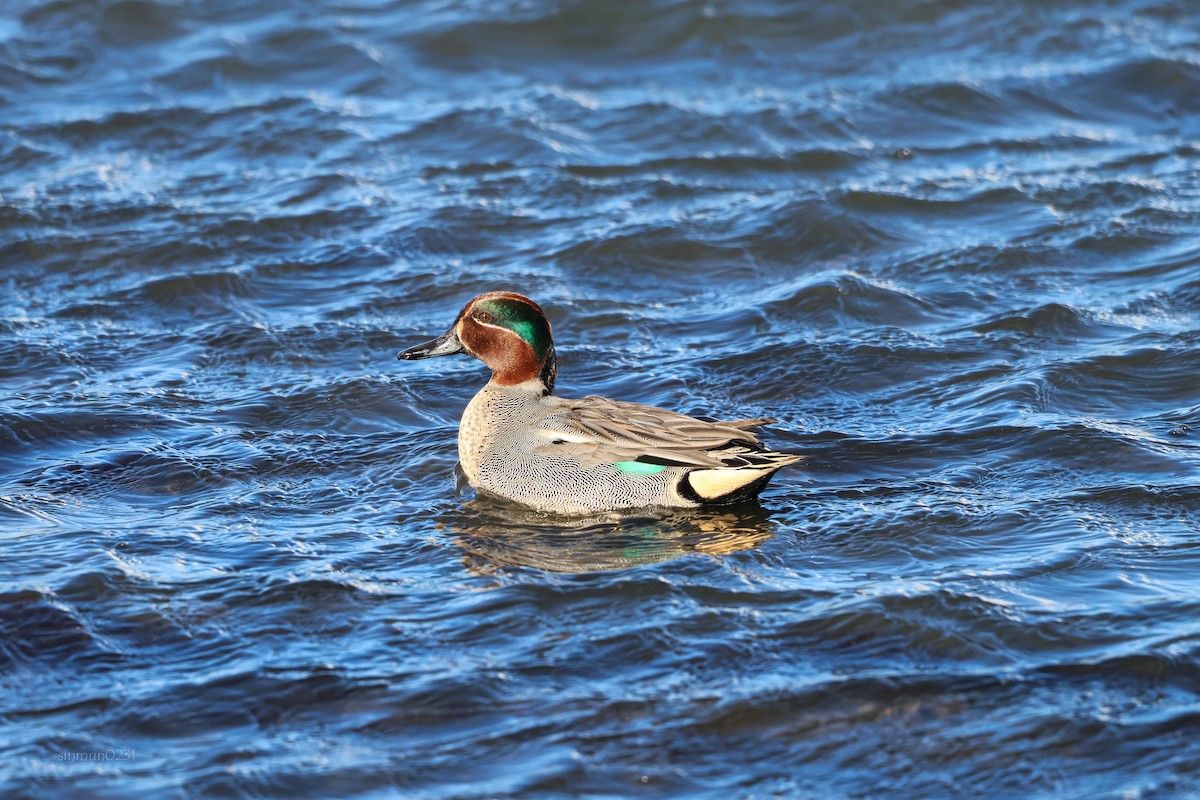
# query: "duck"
{"type": "Point", "coordinates": [573, 456]}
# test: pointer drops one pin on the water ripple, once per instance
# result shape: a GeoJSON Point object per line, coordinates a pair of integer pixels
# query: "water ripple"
{"type": "Point", "coordinates": [951, 248]}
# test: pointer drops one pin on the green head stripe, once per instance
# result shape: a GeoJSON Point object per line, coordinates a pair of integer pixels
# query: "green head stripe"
{"type": "Point", "coordinates": [523, 320]}
{"type": "Point", "coordinates": [638, 468]}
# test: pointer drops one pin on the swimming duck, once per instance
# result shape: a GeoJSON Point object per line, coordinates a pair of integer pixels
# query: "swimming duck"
{"type": "Point", "coordinates": [576, 456]}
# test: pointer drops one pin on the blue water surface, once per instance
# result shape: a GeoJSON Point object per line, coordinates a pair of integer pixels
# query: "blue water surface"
{"type": "Point", "coordinates": [953, 247]}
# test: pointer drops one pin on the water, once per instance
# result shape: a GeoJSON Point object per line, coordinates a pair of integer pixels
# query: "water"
{"type": "Point", "coordinates": [953, 247]}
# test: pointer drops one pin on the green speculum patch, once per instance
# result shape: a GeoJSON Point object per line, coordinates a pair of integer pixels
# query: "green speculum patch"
{"type": "Point", "coordinates": [638, 468]}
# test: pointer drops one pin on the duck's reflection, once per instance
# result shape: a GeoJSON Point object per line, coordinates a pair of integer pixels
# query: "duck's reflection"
{"type": "Point", "coordinates": [493, 533]}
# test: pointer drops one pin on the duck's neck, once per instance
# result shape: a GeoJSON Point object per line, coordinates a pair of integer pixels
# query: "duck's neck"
{"type": "Point", "coordinates": [520, 365]}
{"type": "Point", "coordinates": [533, 386]}
{"type": "Point", "coordinates": [549, 371]}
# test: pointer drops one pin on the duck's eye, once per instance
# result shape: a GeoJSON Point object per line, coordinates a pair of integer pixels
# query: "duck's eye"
{"type": "Point", "coordinates": [483, 316]}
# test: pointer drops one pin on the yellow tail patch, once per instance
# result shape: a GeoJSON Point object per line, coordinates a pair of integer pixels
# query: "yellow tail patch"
{"type": "Point", "coordinates": [711, 484]}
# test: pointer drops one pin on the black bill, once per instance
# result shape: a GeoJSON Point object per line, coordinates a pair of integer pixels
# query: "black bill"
{"type": "Point", "coordinates": [445, 345]}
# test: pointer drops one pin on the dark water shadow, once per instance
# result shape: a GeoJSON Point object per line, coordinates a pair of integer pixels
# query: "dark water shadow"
{"type": "Point", "coordinates": [495, 534]}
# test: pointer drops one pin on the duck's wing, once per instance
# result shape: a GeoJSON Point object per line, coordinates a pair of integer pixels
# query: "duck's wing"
{"type": "Point", "coordinates": [597, 430]}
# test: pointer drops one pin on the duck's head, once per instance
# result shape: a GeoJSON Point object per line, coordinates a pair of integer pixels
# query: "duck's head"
{"type": "Point", "coordinates": [504, 330]}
